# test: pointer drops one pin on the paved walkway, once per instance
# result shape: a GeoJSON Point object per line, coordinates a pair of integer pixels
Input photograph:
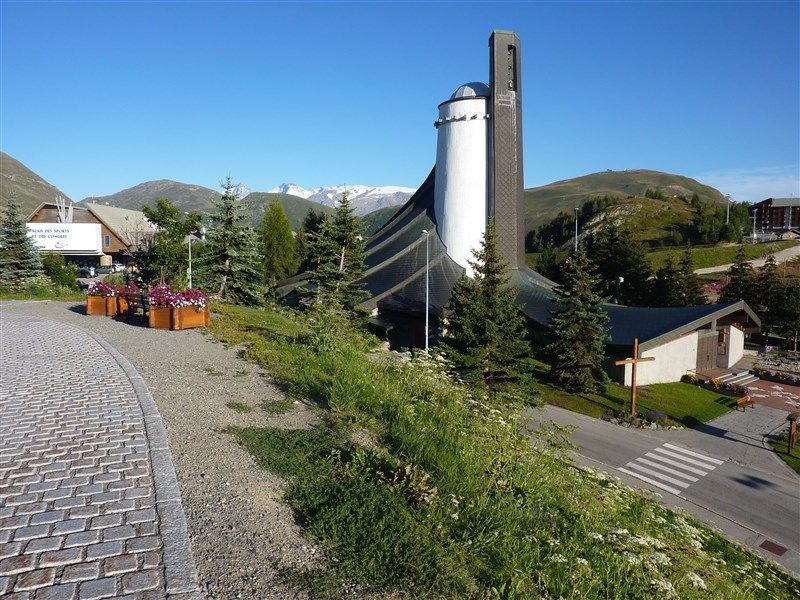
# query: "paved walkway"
{"type": "Point", "coordinates": [780, 256]}
{"type": "Point", "coordinates": [89, 502]}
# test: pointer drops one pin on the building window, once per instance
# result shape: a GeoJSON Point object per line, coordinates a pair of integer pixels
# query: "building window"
{"type": "Point", "coordinates": [106, 241]}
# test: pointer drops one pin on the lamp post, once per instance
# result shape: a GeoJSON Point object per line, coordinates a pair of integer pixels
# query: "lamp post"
{"type": "Point", "coordinates": [576, 229]}
{"type": "Point", "coordinates": [191, 239]}
{"type": "Point", "coordinates": [427, 234]}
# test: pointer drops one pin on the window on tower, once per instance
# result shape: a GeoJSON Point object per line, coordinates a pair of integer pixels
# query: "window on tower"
{"type": "Point", "coordinates": [512, 68]}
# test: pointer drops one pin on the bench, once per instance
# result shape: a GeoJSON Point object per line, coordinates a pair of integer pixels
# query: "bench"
{"type": "Point", "coordinates": [138, 303]}
{"type": "Point", "coordinates": [744, 402]}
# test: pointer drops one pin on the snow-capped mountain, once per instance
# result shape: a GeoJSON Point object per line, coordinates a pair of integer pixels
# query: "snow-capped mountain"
{"type": "Point", "coordinates": [241, 190]}
{"type": "Point", "coordinates": [363, 198]}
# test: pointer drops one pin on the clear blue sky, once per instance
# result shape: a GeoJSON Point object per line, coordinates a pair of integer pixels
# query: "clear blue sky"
{"type": "Point", "coordinates": [100, 96]}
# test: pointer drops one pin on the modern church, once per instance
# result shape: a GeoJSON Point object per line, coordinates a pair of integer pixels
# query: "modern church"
{"type": "Point", "coordinates": [478, 178]}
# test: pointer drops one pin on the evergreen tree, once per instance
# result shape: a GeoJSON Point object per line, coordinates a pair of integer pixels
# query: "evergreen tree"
{"type": "Point", "coordinates": [337, 251]}
{"type": "Point", "coordinates": [668, 285]}
{"type": "Point", "coordinates": [229, 265]}
{"type": "Point", "coordinates": [771, 295]}
{"type": "Point", "coordinates": [547, 262]}
{"type": "Point", "coordinates": [278, 246]}
{"type": "Point", "coordinates": [690, 289]}
{"type": "Point", "coordinates": [789, 316]}
{"type": "Point", "coordinates": [616, 255]}
{"type": "Point", "coordinates": [20, 263]}
{"type": "Point", "coordinates": [741, 285]}
{"type": "Point", "coordinates": [579, 329]}
{"type": "Point", "coordinates": [486, 333]}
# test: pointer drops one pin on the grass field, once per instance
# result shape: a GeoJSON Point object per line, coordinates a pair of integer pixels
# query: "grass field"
{"type": "Point", "coordinates": [448, 499]}
{"type": "Point", "coordinates": [780, 446]}
{"type": "Point", "coordinates": [42, 293]}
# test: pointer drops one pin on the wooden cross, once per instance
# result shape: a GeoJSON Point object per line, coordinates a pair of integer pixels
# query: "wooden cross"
{"type": "Point", "coordinates": [633, 362]}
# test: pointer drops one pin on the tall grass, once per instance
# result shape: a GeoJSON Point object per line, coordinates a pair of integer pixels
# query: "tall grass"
{"type": "Point", "coordinates": [452, 502]}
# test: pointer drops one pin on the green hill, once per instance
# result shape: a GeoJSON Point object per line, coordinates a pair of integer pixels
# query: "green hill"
{"type": "Point", "coordinates": [543, 203]}
{"type": "Point", "coordinates": [296, 208]}
{"type": "Point", "coordinates": [378, 218]}
{"type": "Point", "coordinates": [187, 197]}
{"type": "Point", "coordinates": [20, 183]}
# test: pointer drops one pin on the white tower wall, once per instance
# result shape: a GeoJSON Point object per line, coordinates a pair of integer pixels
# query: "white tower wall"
{"type": "Point", "coordinates": [460, 192]}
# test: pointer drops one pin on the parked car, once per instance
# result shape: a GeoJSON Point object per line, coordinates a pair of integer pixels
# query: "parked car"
{"type": "Point", "coordinates": [85, 271]}
{"type": "Point", "coordinates": [103, 270]}
{"type": "Point", "coordinates": [117, 267]}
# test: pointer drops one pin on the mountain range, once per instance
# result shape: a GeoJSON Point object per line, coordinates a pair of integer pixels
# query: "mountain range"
{"type": "Point", "coordinates": [376, 204]}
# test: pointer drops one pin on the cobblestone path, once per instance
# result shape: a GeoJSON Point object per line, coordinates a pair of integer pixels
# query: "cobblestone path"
{"type": "Point", "coordinates": [89, 503]}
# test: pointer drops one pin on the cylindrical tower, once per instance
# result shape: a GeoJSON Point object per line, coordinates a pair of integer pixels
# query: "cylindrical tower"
{"type": "Point", "coordinates": [460, 192]}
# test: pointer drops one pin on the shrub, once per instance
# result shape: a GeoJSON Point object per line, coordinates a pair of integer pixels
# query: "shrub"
{"type": "Point", "coordinates": [60, 272]}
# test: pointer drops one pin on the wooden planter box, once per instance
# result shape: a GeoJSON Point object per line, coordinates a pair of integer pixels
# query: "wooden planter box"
{"type": "Point", "coordinates": [95, 305]}
{"type": "Point", "coordinates": [122, 305]}
{"type": "Point", "coordinates": [187, 317]}
{"type": "Point", "coordinates": [160, 317]}
{"type": "Point", "coordinates": [111, 306]}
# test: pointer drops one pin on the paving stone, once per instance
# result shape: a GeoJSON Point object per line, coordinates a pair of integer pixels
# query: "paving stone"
{"type": "Point", "coordinates": [65, 591]}
{"type": "Point", "coordinates": [83, 538]}
{"type": "Point", "coordinates": [10, 549]}
{"type": "Point", "coordinates": [141, 581]}
{"type": "Point", "coordinates": [17, 564]}
{"type": "Point", "coordinates": [47, 517]}
{"type": "Point", "coordinates": [106, 521]}
{"type": "Point", "coordinates": [81, 571]}
{"type": "Point", "coordinates": [123, 532]}
{"type": "Point", "coordinates": [99, 588]}
{"type": "Point", "coordinates": [120, 564]}
{"type": "Point", "coordinates": [141, 516]}
{"type": "Point", "coordinates": [5, 585]}
{"type": "Point", "coordinates": [142, 544]}
{"type": "Point", "coordinates": [104, 550]}
{"type": "Point", "coordinates": [59, 558]}
{"type": "Point", "coordinates": [28, 533]}
{"type": "Point", "coordinates": [44, 544]}
{"type": "Point", "coordinates": [34, 579]}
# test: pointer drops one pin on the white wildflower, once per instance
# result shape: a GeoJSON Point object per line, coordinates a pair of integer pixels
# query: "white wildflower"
{"type": "Point", "coordinates": [582, 561]}
{"type": "Point", "coordinates": [662, 585]}
{"type": "Point", "coordinates": [558, 558]}
{"type": "Point", "coordinates": [696, 580]}
{"type": "Point", "coordinates": [454, 516]}
{"type": "Point", "coordinates": [632, 558]}
{"type": "Point", "coordinates": [659, 558]}
{"type": "Point", "coordinates": [660, 520]}
{"type": "Point", "coordinates": [595, 536]}
{"type": "Point", "coordinates": [759, 586]}
{"type": "Point", "coordinates": [552, 542]}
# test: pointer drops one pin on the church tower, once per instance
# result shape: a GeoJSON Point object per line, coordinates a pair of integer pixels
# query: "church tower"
{"type": "Point", "coordinates": [506, 185]}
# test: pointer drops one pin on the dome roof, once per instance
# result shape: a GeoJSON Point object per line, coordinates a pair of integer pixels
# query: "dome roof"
{"type": "Point", "coordinates": [471, 90]}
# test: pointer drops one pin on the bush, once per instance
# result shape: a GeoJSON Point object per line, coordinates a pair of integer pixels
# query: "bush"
{"type": "Point", "coordinates": [60, 272]}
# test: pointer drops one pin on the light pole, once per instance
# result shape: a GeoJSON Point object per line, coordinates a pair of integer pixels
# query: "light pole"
{"type": "Point", "coordinates": [728, 210]}
{"type": "Point", "coordinates": [576, 229]}
{"type": "Point", "coordinates": [427, 235]}
{"type": "Point", "coordinates": [191, 239]}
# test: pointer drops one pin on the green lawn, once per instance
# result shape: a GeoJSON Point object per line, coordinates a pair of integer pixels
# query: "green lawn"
{"type": "Point", "coordinates": [779, 445]}
{"type": "Point", "coordinates": [42, 293]}
{"type": "Point", "coordinates": [712, 256]}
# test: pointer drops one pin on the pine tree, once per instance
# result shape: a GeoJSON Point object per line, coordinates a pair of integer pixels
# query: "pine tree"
{"type": "Point", "coordinates": [617, 255]}
{"type": "Point", "coordinates": [337, 251]}
{"type": "Point", "coordinates": [278, 246]}
{"type": "Point", "coordinates": [229, 265]}
{"type": "Point", "coordinates": [20, 263]}
{"type": "Point", "coordinates": [741, 285]}
{"type": "Point", "coordinates": [547, 262]}
{"type": "Point", "coordinates": [771, 295]}
{"type": "Point", "coordinates": [486, 334]}
{"type": "Point", "coordinates": [579, 330]}
{"type": "Point", "coordinates": [690, 289]}
{"type": "Point", "coordinates": [789, 316]}
{"type": "Point", "coordinates": [668, 286]}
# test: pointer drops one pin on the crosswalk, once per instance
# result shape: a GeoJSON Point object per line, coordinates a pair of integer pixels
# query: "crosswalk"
{"type": "Point", "coordinates": [671, 468]}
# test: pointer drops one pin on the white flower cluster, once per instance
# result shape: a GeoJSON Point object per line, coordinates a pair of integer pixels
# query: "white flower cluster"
{"type": "Point", "coordinates": [696, 580]}
{"type": "Point", "coordinates": [664, 586]}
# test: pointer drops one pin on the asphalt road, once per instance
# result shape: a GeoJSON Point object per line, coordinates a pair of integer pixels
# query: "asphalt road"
{"type": "Point", "coordinates": [750, 503]}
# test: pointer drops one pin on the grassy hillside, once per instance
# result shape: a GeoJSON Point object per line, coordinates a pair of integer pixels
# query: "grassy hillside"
{"type": "Point", "coordinates": [296, 208]}
{"type": "Point", "coordinates": [187, 197]}
{"type": "Point", "coordinates": [712, 256]}
{"type": "Point", "coordinates": [378, 218]}
{"type": "Point", "coordinates": [26, 187]}
{"type": "Point", "coordinates": [543, 203]}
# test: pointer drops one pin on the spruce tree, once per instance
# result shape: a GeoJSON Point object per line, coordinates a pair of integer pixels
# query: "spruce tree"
{"type": "Point", "coordinates": [579, 330]}
{"type": "Point", "coordinates": [789, 316]}
{"type": "Point", "coordinates": [667, 285]}
{"type": "Point", "coordinates": [617, 255]}
{"type": "Point", "coordinates": [229, 265]}
{"type": "Point", "coordinates": [690, 289]}
{"type": "Point", "coordinates": [20, 263]}
{"type": "Point", "coordinates": [337, 251]}
{"type": "Point", "coordinates": [547, 262]}
{"type": "Point", "coordinates": [741, 285]}
{"type": "Point", "coordinates": [278, 246]}
{"type": "Point", "coordinates": [771, 295]}
{"type": "Point", "coordinates": [486, 334]}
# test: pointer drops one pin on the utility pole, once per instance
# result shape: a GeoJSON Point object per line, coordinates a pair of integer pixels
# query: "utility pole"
{"type": "Point", "coordinates": [755, 215]}
{"type": "Point", "coordinates": [576, 229]}
{"type": "Point", "coordinates": [728, 211]}
{"type": "Point", "coordinates": [427, 234]}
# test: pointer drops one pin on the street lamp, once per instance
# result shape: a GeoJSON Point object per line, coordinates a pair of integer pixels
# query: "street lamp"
{"type": "Point", "coordinates": [427, 235]}
{"type": "Point", "coordinates": [191, 239]}
{"type": "Point", "coordinates": [576, 229]}
{"type": "Point", "coordinates": [728, 211]}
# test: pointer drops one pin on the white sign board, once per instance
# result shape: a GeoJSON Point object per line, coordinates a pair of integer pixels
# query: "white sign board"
{"type": "Point", "coordinates": [72, 238]}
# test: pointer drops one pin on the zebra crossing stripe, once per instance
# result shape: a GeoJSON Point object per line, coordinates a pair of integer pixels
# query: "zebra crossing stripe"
{"type": "Point", "coordinates": [715, 461]}
{"type": "Point", "coordinates": [675, 463]}
{"type": "Point", "coordinates": [635, 465]}
{"type": "Point", "coordinates": [658, 484]}
{"type": "Point", "coordinates": [684, 458]}
{"type": "Point", "coordinates": [666, 469]}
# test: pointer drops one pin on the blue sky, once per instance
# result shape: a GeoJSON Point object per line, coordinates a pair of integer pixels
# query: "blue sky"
{"type": "Point", "coordinates": [100, 96]}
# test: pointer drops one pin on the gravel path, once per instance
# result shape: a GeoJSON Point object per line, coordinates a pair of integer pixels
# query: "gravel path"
{"type": "Point", "coordinates": [242, 534]}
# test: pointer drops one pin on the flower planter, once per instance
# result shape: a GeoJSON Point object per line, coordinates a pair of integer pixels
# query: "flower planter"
{"type": "Point", "coordinates": [122, 305]}
{"type": "Point", "coordinates": [111, 306]}
{"type": "Point", "coordinates": [187, 317]}
{"type": "Point", "coordinates": [95, 305]}
{"type": "Point", "coordinates": [160, 317]}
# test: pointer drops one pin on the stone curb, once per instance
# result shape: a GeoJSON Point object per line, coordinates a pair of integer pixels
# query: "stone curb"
{"type": "Point", "coordinates": [180, 574]}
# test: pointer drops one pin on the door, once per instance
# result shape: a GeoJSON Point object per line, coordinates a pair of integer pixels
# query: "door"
{"type": "Point", "coordinates": [706, 351]}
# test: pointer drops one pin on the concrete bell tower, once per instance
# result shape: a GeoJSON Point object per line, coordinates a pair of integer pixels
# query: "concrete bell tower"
{"type": "Point", "coordinates": [506, 184]}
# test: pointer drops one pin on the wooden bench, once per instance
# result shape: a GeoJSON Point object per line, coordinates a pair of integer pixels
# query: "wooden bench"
{"type": "Point", "coordinates": [744, 402]}
{"type": "Point", "coordinates": [138, 303]}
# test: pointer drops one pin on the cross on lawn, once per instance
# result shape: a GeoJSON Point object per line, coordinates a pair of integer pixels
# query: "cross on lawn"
{"type": "Point", "coordinates": [633, 362]}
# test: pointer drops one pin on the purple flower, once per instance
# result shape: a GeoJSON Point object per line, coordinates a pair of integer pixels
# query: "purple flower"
{"type": "Point", "coordinates": [101, 288]}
